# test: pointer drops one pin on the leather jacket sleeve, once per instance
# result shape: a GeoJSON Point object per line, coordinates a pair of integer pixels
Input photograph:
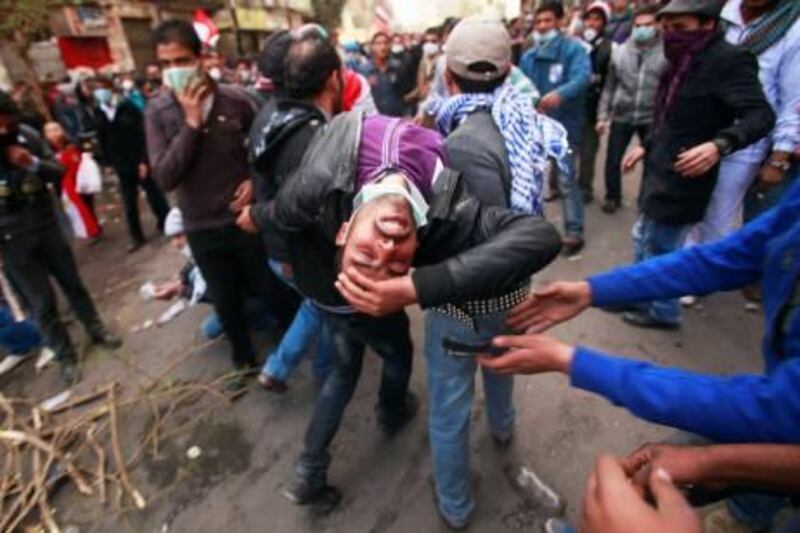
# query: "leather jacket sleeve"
{"type": "Point", "coordinates": [502, 250]}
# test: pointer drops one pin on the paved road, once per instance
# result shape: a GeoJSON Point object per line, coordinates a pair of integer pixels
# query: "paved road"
{"type": "Point", "coordinates": [248, 450]}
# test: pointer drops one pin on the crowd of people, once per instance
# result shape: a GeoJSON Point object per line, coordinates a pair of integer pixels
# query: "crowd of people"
{"type": "Point", "coordinates": [324, 187]}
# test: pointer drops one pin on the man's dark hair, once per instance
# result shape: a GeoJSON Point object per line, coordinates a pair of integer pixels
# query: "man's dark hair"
{"type": "Point", "coordinates": [178, 32]}
{"type": "Point", "coordinates": [436, 30]}
{"type": "Point", "coordinates": [8, 107]}
{"type": "Point", "coordinates": [381, 34]}
{"type": "Point", "coordinates": [273, 57]}
{"type": "Point", "coordinates": [475, 86]}
{"type": "Point", "coordinates": [309, 63]}
{"type": "Point", "coordinates": [553, 7]}
{"type": "Point", "coordinates": [646, 9]}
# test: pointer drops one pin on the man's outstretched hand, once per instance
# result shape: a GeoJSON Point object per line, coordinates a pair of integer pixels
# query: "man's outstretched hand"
{"type": "Point", "coordinates": [376, 298]}
{"type": "Point", "coordinates": [611, 504]}
{"type": "Point", "coordinates": [549, 306]}
{"type": "Point", "coordinates": [529, 354]}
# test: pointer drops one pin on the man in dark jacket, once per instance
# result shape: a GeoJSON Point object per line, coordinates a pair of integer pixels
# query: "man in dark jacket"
{"type": "Point", "coordinates": [710, 104]}
{"type": "Point", "coordinates": [33, 245]}
{"type": "Point", "coordinates": [359, 218]}
{"type": "Point", "coordinates": [594, 21]}
{"type": "Point", "coordinates": [304, 99]}
{"type": "Point", "coordinates": [122, 145]}
{"type": "Point", "coordinates": [196, 138]}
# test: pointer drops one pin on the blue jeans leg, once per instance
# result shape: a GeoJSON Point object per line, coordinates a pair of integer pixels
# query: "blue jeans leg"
{"type": "Point", "coordinates": [572, 198]}
{"type": "Point", "coordinates": [307, 325]}
{"type": "Point", "coordinates": [211, 328]}
{"type": "Point", "coordinates": [451, 389]}
{"type": "Point", "coordinates": [295, 342]}
{"type": "Point", "coordinates": [652, 239]}
{"type": "Point", "coordinates": [17, 337]}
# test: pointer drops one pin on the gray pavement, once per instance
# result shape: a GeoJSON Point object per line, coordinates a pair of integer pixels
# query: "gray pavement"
{"type": "Point", "coordinates": [248, 450]}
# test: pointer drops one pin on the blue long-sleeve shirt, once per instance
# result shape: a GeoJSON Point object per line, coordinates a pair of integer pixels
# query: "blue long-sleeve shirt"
{"type": "Point", "coordinates": [744, 408]}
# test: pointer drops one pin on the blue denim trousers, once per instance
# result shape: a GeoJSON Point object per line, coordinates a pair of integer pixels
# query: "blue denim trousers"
{"type": "Point", "coordinates": [390, 339]}
{"type": "Point", "coordinates": [572, 197]}
{"type": "Point", "coordinates": [17, 338]}
{"type": "Point", "coordinates": [451, 390]}
{"type": "Point", "coordinates": [651, 239]}
{"type": "Point", "coordinates": [308, 325]}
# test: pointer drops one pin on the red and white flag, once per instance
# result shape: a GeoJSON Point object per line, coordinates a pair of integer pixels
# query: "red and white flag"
{"type": "Point", "coordinates": [206, 29]}
{"type": "Point", "coordinates": [381, 18]}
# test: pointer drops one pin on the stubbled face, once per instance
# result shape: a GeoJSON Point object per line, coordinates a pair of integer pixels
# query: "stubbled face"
{"type": "Point", "coordinates": [380, 47]}
{"type": "Point", "coordinates": [545, 21]}
{"type": "Point", "coordinates": [381, 240]}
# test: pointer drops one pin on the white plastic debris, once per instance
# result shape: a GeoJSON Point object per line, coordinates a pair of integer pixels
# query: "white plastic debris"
{"type": "Point", "coordinates": [46, 356]}
{"type": "Point", "coordinates": [172, 311]}
{"type": "Point", "coordinates": [54, 401]}
{"type": "Point", "coordinates": [147, 291]}
{"type": "Point", "coordinates": [194, 452]}
{"type": "Point", "coordinates": [752, 307]}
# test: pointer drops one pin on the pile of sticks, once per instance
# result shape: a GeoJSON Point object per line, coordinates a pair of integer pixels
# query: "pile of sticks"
{"type": "Point", "coordinates": [78, 443]}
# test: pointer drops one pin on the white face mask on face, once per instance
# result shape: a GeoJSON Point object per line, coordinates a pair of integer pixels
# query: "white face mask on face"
{"type": "Point", "coordinates": [178, 78]}
{"type": "Point", "coordinates": [186, 252]}
{"type": "Point", "coordinates": [430, 49]}
{"type": "Point", "coordinates": [215, 73]}
{"type": "Point", "coordinates": [589, 35]}
{"type": "Point", "coordinates": [546, 37]}
{"type": "Point", "coordinates": [127, 85]}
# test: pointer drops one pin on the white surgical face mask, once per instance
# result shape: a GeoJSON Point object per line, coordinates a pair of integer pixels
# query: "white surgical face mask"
{"type": "Point", "coordinates": [589, 34]}
{"type": "Point", "coordinates": [127, 85]}
{"type": "Point", "coordinates": [397, 48]}
{"type": "Point", "coordinates": [178, 78]}
{"type": "Point", "coordinates": [186, 251]}
{"type": "Point", "coordinates": [215, 73]}
{"type": "Point", "coordinates": [546, 37]}
{"type": "Point", "coordinates": [430, 49]}
{"type": "Point", "coordinates": [373, 191]}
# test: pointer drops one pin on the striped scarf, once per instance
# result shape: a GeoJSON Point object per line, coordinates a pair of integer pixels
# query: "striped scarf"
{"type": "Point", "coordinates": [530, 139]}
{"type": "Point", "coordinates": [773, 27]}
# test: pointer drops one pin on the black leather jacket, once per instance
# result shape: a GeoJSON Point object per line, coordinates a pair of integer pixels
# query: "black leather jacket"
{"type": "Point", "coordinates": [466, 251]}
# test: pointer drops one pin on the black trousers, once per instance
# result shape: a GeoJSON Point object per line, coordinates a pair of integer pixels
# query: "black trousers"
{"type": "Point", "coordinates": [234, 265]}
{"type": "Point", "coordinates": [590, 142]}
{"type": "Point", "coordinates": [129, 183]}
{"type": "Point", "coordinates": [31, 260]}
{"type": "Point", "coordinates": [618, 140]}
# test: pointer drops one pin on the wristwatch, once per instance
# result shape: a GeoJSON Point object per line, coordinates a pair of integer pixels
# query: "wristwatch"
{"type": "Point", "coordinates": [723, 145]}
{"type": "Point", "coordinates": [782, 165]}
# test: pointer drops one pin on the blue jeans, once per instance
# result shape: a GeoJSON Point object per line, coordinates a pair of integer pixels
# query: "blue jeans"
{"type": "Point", "coordinates": [390, 339]}
{"type": "Point", "coordinates": [572, 198]}
{"type": "Point", "coordinates": [17, 338]}
{"type": "Point", "coordinates": [756, 510]}
{"type": "Point", "coordinates": [651, 239]}
{"type": "Point", "coordinates": [308, 324]}
{"type": "Point", "coordinates": [451, 390]}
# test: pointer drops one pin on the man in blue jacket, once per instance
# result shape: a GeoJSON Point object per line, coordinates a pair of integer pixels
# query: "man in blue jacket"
{"type": "Point", "coordinates": [744, 408]}
{"type": "Point", "coordinates": [560, 69]}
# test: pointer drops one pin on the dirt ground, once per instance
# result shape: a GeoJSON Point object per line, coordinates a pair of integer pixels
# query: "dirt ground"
{"type": "Point", "coordinates": [248, 449]}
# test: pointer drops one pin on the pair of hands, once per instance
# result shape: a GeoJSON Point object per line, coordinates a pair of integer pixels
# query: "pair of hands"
{"type": "Point", "coordinates": [690, 163]}
{"type": "Point", "coordinates": [376, 297]}
{"type": "Point", "coordinates": [614, 503]}
{"type": "Point", "coordinates": [534, 353]}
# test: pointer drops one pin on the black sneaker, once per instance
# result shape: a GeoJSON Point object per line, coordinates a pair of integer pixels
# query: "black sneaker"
{"type": "Point", "coordinates": [391, 424]}
{"type": "Point", "coordinates": [106, 339]}
{"type": "Point", "coordinates": [572, 245]}
{"type": "Point", "coordinates": [640, 319]}
{"type": "Point", "coordinates": [70, 373]}
{"type": "Point", "coordinates": [611, 206]}
{"type": "Point", "coordinates": [302, 492]}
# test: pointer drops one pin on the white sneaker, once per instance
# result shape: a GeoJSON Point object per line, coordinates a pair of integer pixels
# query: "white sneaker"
{"type": "Point", "coordinates": [46, 356]}
{"type": "Point", "coordinates": [11, 361]}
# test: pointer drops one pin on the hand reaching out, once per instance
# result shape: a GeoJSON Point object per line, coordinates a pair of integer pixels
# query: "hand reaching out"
{"type": "Point", "coordinates": [242, 197]}
{"type": "Point", "coordinates": [549, 306]}
{"type": "Point", "coordinates": [529, 354]}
